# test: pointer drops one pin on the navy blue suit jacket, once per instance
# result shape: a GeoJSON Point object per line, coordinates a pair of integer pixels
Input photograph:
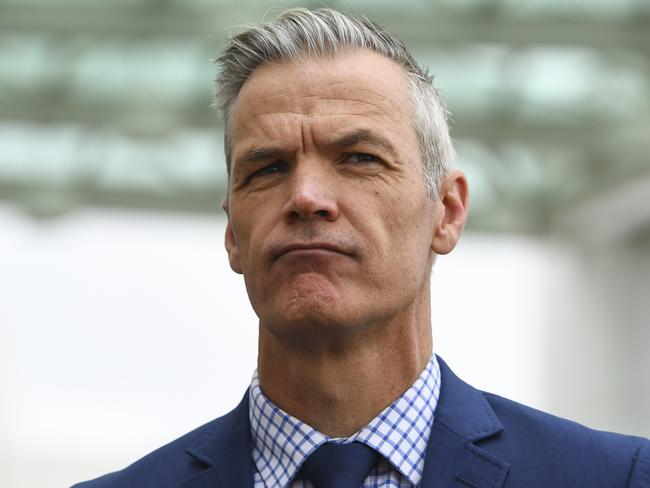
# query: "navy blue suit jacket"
{"type": "Point", "coordinates": [478, 440]}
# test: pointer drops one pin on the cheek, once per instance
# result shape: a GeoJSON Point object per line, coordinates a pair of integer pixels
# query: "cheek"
{"type": "Point", "coordinates": [387, 226]}
{"type": "Point", "coordinates": [246, 218]}
{"type": "Point", "coordinates": [408, 227]}
{"type": "Point", "coordinates": [242, 235]}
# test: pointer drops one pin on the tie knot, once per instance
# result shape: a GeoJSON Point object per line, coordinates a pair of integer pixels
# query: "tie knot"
{"type": "Point", "coordinates": [339, 465]}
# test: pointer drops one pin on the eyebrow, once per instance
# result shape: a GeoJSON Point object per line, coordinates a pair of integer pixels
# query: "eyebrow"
{"type": "Point", "coordinates": [255, 155]}
{"type": "Point", "coordinates": [346, 140]}
{"type": "Point", "coordinates": [361, 136]}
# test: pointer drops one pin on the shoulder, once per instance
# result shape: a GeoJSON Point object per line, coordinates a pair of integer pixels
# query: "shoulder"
{"type": "Point", "coordinates": [169, 463]}
{"type": "Point", "coordinates": [534, 448]}
{"type": "Point", "coordinates": [569, 450]}
{"type": "Point", "coordinates": [184, 458]}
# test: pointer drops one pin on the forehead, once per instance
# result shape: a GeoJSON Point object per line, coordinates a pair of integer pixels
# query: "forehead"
{"type": "Point", "coordinates": [354, 87]}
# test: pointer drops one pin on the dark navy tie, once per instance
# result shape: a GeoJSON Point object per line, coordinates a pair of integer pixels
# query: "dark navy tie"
{"type": "Point", "coordinates": [339, 465]}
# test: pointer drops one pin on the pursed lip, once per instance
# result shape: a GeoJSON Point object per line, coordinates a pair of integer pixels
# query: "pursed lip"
{"type": "Point", "coordinates": [308, 246]}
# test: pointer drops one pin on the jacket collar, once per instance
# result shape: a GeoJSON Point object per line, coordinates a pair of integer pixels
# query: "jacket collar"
{"type": "Point", "coordinates": [463, 416]}
{"type": "Point", "coordinates": [226, 450]}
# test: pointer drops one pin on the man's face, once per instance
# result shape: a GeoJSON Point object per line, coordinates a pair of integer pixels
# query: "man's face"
{"type": "Point", "coordinates": [329, 218]}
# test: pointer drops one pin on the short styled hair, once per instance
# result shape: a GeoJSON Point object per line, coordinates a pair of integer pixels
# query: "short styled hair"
{"type": "Point", "coordinates": [301, 33]}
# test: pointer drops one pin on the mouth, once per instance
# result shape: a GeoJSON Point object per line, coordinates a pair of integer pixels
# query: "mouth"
{"type": "Point", "coordinates": [309, 247]}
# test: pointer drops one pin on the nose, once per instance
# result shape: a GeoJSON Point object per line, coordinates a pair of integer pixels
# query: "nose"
{"type": "Point", "coordinates": [311, 196]}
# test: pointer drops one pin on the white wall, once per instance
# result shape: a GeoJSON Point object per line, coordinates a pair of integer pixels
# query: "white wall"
{"type": "Point", "coordinates": [600, 337]}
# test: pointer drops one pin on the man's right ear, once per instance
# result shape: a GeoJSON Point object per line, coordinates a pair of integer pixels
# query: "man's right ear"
{"type": "Point", "coordinates": [231, 248]}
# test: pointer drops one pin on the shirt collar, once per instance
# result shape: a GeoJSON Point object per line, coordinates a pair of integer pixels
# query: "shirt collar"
{"type": "Point", "coordinates": [281, 443]}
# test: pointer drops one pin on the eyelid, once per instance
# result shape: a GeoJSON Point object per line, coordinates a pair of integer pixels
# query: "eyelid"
{"type": "Point", "coordinates": [372, 157]}
{"type": "Point", "coordinates": [260, 171]}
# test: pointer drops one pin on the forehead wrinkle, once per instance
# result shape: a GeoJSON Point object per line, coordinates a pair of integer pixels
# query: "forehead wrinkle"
{"type": "Point", "coordinates": [316, 116]}
{"type": "Point", "coordinates": [323, 109]}
{"type": "Point", "coordinates": [258, 151]}
{"type": "Point", "coordinates": [311, 132]}
{"type": "Point", "coordinates": [312, 102]}
{"type": "Point", "coordinates": [317, 89]}
{"type": "Point", "coordinates": [306, 109]}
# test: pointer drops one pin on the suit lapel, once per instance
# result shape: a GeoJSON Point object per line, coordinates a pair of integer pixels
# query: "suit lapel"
{"type": "Point", "coordinates": [463, 417]}
{"type": "Point", "coordinates": [225, 453]}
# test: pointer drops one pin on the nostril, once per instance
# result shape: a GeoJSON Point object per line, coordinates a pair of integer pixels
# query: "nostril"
{"type": "Point", "coordinates": [322, 213]}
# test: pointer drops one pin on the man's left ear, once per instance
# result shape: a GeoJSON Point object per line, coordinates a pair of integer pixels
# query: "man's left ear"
{"type": "Point", "coordinates": [233, 252]}
{"type": "Point", "coordinates": [230, 242]}
{"type": "Point", "coordinates": [452, 206]}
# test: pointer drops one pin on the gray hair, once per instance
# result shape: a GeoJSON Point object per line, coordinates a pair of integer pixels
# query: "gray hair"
{"type": "Point", "coordinates": [302, 33]}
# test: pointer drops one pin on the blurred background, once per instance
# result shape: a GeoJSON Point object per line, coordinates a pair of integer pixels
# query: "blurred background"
{"type": "Point", "coordinates": [121, 324]}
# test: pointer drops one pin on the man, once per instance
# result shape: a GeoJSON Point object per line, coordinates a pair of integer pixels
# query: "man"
{"type": "Point", "coordinates": [341, 194]}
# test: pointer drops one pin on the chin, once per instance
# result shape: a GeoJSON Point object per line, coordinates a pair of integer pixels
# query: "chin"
{"type": "Point", "coordinates": [308, 294]}
{"type": "Point", "coordinates": [316, 308]}
{"type": "Point", "coordinates": [307, 318]}
{"type": "Point", "coordinates": [310, 304]}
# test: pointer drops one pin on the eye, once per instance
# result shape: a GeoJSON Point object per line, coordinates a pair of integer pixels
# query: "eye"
{"type": "Point", "coordinates": [273, 168]}
{"type": "Point", "coordinates": [361, 158]}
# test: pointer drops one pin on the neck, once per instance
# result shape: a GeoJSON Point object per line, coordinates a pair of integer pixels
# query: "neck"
{"type": "Point", "coordinates": [340, 386]}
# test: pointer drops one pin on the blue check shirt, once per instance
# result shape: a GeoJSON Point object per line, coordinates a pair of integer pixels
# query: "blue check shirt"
{"type": "Point", "coordinates": [400, 433]}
